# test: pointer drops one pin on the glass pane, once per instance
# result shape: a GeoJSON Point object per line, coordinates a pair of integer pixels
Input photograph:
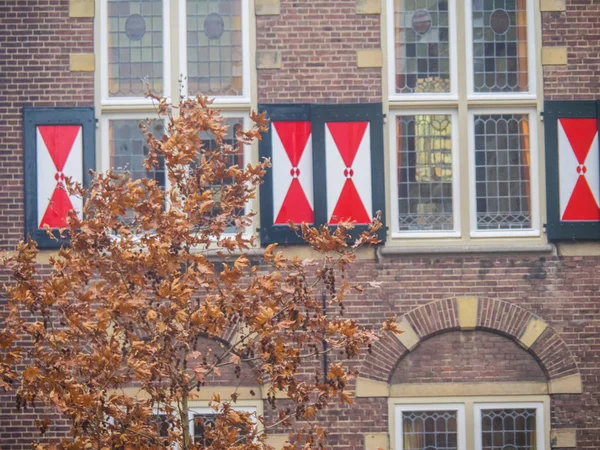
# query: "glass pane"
{"type": "Point", "coordinates": [201, 423]}
{"type": "Point", "coordinates": [135, 47]}
{"type": "Point", "coordinates": [422, 46]}
{"type": "Point", "coordinates": [214, 47]}
{"type": "Point", "coordinates": [500, 46]}
{"type": "Point", "coordinates": [502, 172]}
{"type": "Point", "coordinates": [128, 149]}
{"type": "Point", "coordinates": [162, 425]}
{"type": "Point", "coordinates": [424, 146]}
{"type": "Point", "coordinates": [508, 429]}
{"type": "Point", "coordinates": [429, 430]}
{"type": "Point", "coordinates": [236, 125]}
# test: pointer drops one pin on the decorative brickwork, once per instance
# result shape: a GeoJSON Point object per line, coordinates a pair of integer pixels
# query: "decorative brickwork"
{"type": "Point", "coordinates": [316, 44]}
{"type": "Point", "coordinates": [576, 28]}
{"type": "Point", "coordinates": [318, 53]}
{"type": "Point", "coordinates": [497, 316]}
{"type": "Point", "coordinates": [36, 40]}
{"type": "Point", "coordinates": [467, 357]}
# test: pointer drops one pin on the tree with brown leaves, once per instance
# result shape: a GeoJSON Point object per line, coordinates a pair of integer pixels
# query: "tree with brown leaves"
{"type": "Point", "coordinates": [150, 276]}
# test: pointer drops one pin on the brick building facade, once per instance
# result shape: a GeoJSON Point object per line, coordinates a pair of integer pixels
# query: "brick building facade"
{"type": "Point", "coordinates": [495, 290]}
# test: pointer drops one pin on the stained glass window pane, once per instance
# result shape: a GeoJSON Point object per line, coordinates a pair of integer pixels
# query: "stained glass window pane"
{"type": "Point", "coordinates": [162, 426]}
{"type": "Point", "coordinates": [502, 171]}
{"type": "Point", "coordinates": [128, 149]}
{"type": "Point", "coordinates": [214, 47]}
{"type": "Point", "coordinates": [429, 430]}
{"type": "Point", "coordinates": [235, 125]}
{"type": "Point", "coordinates": [500, 46]}
{"type": "Point", "coordinates": [135, 47]}
{"type": "Point", "coordinates": [424, 146]}
{"type": "Point", "coordinates": [422, 46]}
{"type": "Point", "coordinates": [202, 422]}
{"type": "Point", "coordinates": [508, 429]}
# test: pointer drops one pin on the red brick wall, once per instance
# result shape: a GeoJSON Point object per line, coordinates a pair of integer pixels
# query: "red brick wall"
{"type": "Point", "coordinates": [36, 38]}
{"type": "Point", "coordinates": [465, 357]}
{"type": "Point", "coordinates": [563, 291]}
{"type": "Point", "coordinates": [578, 29]}
{"type": "Point", "coordinates": [318, 41]}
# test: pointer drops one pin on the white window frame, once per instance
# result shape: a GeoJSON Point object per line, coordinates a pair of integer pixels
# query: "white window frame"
{"type": "Point", "coordinates": [105, 98]}
{"type": "Point", "coordinates": [531, 93]}
{"type": "Point", "coordinates": [391, 57]}
{"type": "Point", "coordinates": [205, 410]}
{"type": "Point", "coordinates": [461, 430]}
{"type": "Point", "coordinates": [218, 100]}
{"type": "Point", "coordinates": [539, 419]}
{"type": "Point", "coordinates": [141, 116]}
{"type": "Point", "coordinates": [247, 123]}
{"type": "Point", "coordinates": [105, 131]}
{"type": "Point", "coordinates": [534, 201]}
{"type": "Point", "coordinates": [393, 161]}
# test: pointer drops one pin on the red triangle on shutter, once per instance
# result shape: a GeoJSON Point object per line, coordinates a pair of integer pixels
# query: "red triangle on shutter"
{"type": "Point", "coordinates": [580, 133]}
{"type": "Point", "coordinates": [294, 136]}
{"type": "Point", "coordinates": [295, 207]}
{"type": "Point", "coordinates": [347, 137]}
{"type": "Point", "coordinates": [59, 142]}
{"type": "Point", "coordinates": [349, 206]}
{"type": "Point", "coordinates": [58, 208]}
{"type": "Point", "coordinates": [582, 205]}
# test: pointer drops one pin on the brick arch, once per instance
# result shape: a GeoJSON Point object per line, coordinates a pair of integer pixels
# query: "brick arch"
{"type": "Point", "coordinates": [470, 313]}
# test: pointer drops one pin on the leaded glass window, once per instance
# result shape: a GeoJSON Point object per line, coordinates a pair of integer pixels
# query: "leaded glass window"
{"type": "Point", "coordinates": [214, 47]}
{"type": "Point", "coordinates": [162, 427]}
{"type": "Point", "coordinates": [508, 429]}
{"type": "Point", "coordinates": [128, 149]}
{"type": "Point", "coordinates": [424, 155]}
{"type": "Point", "coordinates": [500, 60]}
{"type": "Point", "coordinates": [135, 47]}
{"type": "Point", "coordinates": [235, 157]}
{"type": "Point", "coordinates": [202, 423]}
{"type": "Point", "coordinates": [502, 171]}
{"type": "Point", "coordinates": [422, 46]}
{"type": "Point", "coordinates": [205, 422]}
{"type": "Point", "coordinates": [429, 430]}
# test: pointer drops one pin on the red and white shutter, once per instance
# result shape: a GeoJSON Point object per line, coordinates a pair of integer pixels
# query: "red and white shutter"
{"type": "Point", "coordinates": [59, 143]}
{"type": "Point", "coordinates": [59, 155]}
{"type": "Point", "coordinates": [579, 170]}
{"type": "Point", "coordinates": [292, 156]}
{"type": "Point", "coordinates": [348, 162]}
{"type": "Point", "coordinates": [327, 167]}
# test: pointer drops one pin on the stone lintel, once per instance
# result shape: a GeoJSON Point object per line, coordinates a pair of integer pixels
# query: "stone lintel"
{"type": "Point", "coordinates": [563, 438]}
{"type": "Point", "coordinates": [554, 56]}
{"type": "Point", "coordinates": [368, 6]}
{"type": "Point", "coordinates": [267, 7]}
{"type": "Point", "coordinates": [571, 384]}
{"type": "Point", "coordinates": [467, 312]}
{"type": "Point", "coordinates": [553, 5]}
{"type": "Point", "coordinates": [366, 387]}
{"type": "Point", "coordinates": [369, 58]}
{"type": "Point", "coordinates": [409, 337]}
{"type": "Point", "coordinates": [82, 62]}
{"type": "Point", "coordinates": [535, 328]}
{"type": "Point", "coordinates": [268, 60]}
{"type": "Point", "coordinates": [375, 441]}
{"type": "Point", "coordinates": [81, 8]}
